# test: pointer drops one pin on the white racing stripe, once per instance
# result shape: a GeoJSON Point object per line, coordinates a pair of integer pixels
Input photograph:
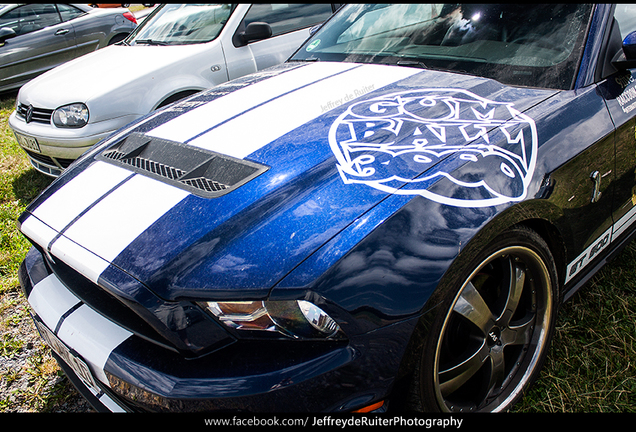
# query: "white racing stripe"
{"type": "Point", "coordinates": [98, 216]}
{"type": "Point", "coordinates": [217, 111]}
{"type": "Point", "coordinates": [83, 261]}
{"type": "Point", "coordinates": [263, 124]}
{"type": "Point", "coordinates": [114, 222]}
{"type": "Point", "coordinates": [39, 232]}
{"type": "Point", "coordinates": [82, 329]}
{"type": "Point", "coordinates": [78, 194]}
{"type": "Point", "coordinates": [50, 300]}
{"type": "Point", "coordinates": [70, 200]}
{"type": "Point", "coordinates": [91, 335]}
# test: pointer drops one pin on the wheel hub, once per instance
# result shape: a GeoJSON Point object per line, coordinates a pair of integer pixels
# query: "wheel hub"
{"type": "Point", "coordinates": [494, 337]}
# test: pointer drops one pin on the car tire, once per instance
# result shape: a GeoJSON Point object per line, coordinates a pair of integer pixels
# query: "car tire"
{"type": "Point", "coordinates": [486, 345]}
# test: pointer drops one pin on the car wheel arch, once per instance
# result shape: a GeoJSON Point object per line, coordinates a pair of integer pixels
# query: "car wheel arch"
{"type": "Point", "coordinates": [117, 38]}
{"type": "Point", "coordinates": [508, 220]}
{"type": "Point", "coordinates": [174, 97]}
{"type": "Point", "coordinates": [406, 388]}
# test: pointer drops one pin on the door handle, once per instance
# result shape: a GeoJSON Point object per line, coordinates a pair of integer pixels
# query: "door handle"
{"type": "Point", "coordinates": [61, 32]}
{"type": "Point", "coordinates": [596, 191]}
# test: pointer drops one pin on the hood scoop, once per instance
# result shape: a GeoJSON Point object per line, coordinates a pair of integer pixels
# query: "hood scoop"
{"type": "Point", "coordinates": [199, 171]}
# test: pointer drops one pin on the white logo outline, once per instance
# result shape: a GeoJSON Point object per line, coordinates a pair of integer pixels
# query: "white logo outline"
{"type": "Point", "coordinates": [395, 109]}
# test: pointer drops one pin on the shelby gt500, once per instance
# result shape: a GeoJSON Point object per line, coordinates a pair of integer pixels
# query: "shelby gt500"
{"type": "Point", "coordinates": [389, 220]}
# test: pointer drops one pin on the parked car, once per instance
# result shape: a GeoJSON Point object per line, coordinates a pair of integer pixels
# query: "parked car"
{"type": "Point", "coordinates": [387, 221]}
{"type": "Point", "coordinates": [37, 37]}
{"type": "Point", "coordinates": [180, 49]}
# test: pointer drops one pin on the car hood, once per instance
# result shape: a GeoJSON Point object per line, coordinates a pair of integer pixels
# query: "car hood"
{"type": "Point", "coordinates": [225, 193]}
{"type": "Point", "coordinates": [100, 73]}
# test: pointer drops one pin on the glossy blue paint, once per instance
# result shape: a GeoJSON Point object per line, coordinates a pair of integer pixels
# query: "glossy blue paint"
{"type": "Point", "coordinates": [298, 199]}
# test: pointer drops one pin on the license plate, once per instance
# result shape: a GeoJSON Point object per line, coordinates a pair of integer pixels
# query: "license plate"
{"type": "Point", "coordinates": [77, 364]}
{"type": "Point", "coordinates": [28, 142]}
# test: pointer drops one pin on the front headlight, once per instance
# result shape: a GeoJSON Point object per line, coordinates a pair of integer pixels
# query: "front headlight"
{"type": "Point", "coordinates": [296, 318]}
{"type": "Point", "coordinates": [71, 116]}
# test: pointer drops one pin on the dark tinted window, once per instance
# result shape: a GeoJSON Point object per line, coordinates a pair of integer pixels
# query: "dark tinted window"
{"type": "Point", "coordinates": [69, 12]}
{"type": "Point", "coordinates": [31, 17]}
{"type": "Point", "coordinates": [284, 18]}
{"type": "Point", "coordinates": [525, 44]}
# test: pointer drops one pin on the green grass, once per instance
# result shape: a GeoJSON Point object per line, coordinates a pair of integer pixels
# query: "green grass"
{"type": "Point", "coordinates": [19, 185]}
{"type": "Point", "coordinates": [590, 367]}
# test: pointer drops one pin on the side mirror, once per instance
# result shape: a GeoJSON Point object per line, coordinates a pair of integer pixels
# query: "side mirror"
{"type": "Point", "coordinates": [255, 31]}
{"type": "Point", "coordinates": [314, 29]}
{"type": "Point", "coordinates": [6, 33]}
{"type": "Point", "coordinates": [629, 46]}
{"type": "Point", "coordinates": [626, 58]}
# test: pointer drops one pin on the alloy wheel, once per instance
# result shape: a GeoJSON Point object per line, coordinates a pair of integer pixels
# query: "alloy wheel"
{"type": "Point", "coordinates": [495, 334]}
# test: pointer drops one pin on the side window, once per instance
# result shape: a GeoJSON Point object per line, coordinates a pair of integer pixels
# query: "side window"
{"type": "Point", "coordinates": [625, 14]}
{"type": "Point", "coordinates": [31, 17]}
{"type": "Point", "coordinates": [284, 18]}
{"type": "Point", "coordinates": [69, 12]}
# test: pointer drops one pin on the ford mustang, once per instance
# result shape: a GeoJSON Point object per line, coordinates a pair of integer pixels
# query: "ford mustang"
{"type": "Point", "coordinates": [387, 221]}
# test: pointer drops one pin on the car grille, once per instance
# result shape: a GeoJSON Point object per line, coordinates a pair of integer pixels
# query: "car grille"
{"type": "Point", "coordinates": [155, 324]}
{"type": "Point", "coordinates": [103, 302]}
{"type": "Point", "coordinates": [40, 115]}
{"type": "Point", "coordinates": [197, 170]}
{"type": "Point", "coordinates": [47, 160]}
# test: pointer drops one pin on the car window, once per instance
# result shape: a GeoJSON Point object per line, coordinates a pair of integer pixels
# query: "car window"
{"type": "Point", "coordinates": [69, 12]}
{"type": "Point", "coordinates": [625, 14]}
{"type": "Point", "coordinates": [31, 17]}
{"type": "Point", "coordinates": [284, 18]}
{"type": "Point", "coordinates": [532, 45]}
{"type": "Point", "coordinates": [180, 24]}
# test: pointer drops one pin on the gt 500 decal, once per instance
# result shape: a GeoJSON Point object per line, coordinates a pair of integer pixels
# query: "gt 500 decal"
{"type": "Point", "coordinates": [588, 255]}
{"type": "Point", "coordinates": [450, 135]}
{"type": "Point", "coordinates": [601, 243]}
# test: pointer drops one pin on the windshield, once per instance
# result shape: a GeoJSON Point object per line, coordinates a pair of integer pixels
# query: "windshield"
{"type": "Point", "coordinates": [529, 45]}
{"type": "Point", "coordinates": [182, 24]}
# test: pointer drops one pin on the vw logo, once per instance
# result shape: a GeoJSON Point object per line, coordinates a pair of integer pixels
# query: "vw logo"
{"type": "Point", "coordinates": [29, 114]}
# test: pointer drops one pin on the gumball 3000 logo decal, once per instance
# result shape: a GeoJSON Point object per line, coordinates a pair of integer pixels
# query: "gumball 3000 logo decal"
{"type": "Point", "coordinates": [448, 145]}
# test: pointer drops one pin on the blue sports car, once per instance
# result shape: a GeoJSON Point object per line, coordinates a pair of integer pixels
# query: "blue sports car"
{"type": "Point", "coordinates": [388, 221]}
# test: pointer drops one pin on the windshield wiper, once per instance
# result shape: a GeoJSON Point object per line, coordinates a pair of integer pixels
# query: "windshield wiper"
{"type": "Point", "coordinates": [150, 42]}
{"type": "Point", "coordinates": [411, 63]}
{"type": "Point", "coordinates": [311, 59]}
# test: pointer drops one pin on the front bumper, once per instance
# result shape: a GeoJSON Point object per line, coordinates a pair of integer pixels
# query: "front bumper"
{"type": "Point", "coordinates": [133, 373]}
{"type": "Point", "coordinates": [56, 147]}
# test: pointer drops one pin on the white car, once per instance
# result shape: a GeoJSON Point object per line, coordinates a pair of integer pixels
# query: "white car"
{"type": "Point", "coordinates": [179, 50]}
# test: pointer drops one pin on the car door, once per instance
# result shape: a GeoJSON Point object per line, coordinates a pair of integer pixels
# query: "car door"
{"type": "Point", "coordinates": [290, 24]}
{"type": "Point", "coordinates": [619, 90]}
{"type": "Point", "coordinates": [42, 42]}
{"type": "Point", "coordinates": [87, 30]}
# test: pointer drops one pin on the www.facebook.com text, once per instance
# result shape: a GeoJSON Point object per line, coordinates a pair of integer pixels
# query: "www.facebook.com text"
{"type": "Point", "coordinates": [341, 422]}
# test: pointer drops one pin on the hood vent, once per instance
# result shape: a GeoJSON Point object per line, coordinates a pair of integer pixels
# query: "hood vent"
{"type": "Point", "coordinates": [199, 171]}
